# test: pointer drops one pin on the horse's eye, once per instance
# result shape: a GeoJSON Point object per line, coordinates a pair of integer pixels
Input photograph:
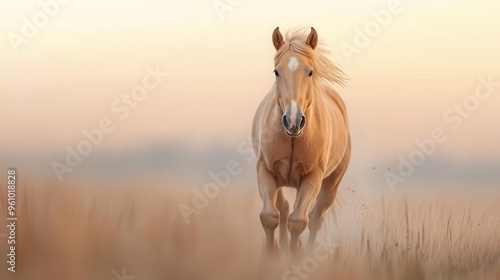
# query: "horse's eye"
{"type": "Point", "coordinates": [276, 73]}
{"type": "Point", "coordinates": [311, 73]}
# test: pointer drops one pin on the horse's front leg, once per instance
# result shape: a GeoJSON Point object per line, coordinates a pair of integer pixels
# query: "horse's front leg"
{"type": "Point", "coordinates": [284, 208]}
{"type": "Point", "coordinates": [298, 220]}
{"type": "Point", "coordinates": [269, 216]}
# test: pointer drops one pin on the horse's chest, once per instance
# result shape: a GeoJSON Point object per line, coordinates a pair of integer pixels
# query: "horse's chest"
{"type": "Point", "coordinates": [289, 171]}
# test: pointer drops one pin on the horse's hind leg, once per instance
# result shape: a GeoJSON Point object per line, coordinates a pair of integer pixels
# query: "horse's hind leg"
{"type": "Point", "coordinates": [284, 209]}
{"type": "Point", "coordinates": [325, 199]}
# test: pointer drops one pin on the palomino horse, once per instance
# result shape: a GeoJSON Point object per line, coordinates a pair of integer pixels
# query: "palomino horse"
{"type": "Point", "coordinates": [301, 137]}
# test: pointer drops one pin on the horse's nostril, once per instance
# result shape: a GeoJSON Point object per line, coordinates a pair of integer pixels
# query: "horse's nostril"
{"type": "Point", "coordinates": [285, 122]}
{"type": "Point", "coordinates": [302, 122]}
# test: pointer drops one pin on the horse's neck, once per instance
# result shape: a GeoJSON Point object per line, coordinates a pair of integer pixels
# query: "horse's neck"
{"type": "Point", "coordinates": [325, 94]}
{"type": "Point", "coordinates": [319, 98]}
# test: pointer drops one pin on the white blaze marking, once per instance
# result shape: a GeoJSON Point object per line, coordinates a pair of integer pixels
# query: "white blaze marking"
{"type": "Point", "coordinates": [293, 64]}
{"type": "Point", "coordinates": [293, 113]}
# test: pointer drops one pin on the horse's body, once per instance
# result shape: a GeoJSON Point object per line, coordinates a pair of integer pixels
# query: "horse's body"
{"type": "Point", "coordinates": [312, 159]}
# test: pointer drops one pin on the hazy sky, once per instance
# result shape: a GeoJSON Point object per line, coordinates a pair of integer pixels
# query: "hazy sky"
{"type": "Point", "coordinates": [427, 58]}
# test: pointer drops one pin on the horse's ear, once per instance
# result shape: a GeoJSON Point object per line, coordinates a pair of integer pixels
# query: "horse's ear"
{"type": "Point", "coordinates": [277, 38]}
{"type": "Point", "coordinates": [312, 39]}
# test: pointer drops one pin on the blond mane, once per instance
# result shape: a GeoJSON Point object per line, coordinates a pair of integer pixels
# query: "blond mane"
{"type": "Point", "coordinates": [325, 70]}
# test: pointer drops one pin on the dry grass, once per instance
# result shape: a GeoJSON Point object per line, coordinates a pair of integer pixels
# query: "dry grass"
{"type": "Point", "coordinates": [79, 233]}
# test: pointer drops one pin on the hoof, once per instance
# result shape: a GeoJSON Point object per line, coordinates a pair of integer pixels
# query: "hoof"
{"type": "Point", "coordinates": [271, 250]}
{"type": "Point", "coordinates": [299, 253]}
{"type": "Point", "coordinates": [297, 249]}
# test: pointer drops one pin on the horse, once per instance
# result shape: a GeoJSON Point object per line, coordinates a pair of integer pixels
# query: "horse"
{"type": "Point", "coordinates": [301, 138]}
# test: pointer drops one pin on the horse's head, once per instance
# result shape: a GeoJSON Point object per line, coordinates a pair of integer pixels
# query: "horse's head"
{"type": "Point", "coordinates": [294, 80]}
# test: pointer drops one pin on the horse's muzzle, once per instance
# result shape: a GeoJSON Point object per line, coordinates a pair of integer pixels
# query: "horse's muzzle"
{"type": "Point", "coordinates": [292, 127]}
